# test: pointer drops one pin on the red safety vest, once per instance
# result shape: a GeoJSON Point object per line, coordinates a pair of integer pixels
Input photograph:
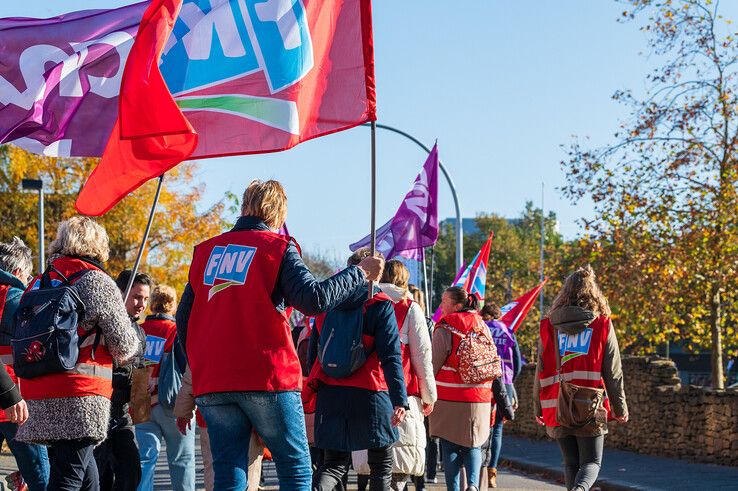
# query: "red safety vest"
{"type": "Point", "coordinates": [165, 328]}
{"type": "Point", "coordinates": [90, 377]}
{"type": "Point", "coordinates": [370, 376]}
{"type": "Point", "coordinates": [581, 362]}
{"type": "Point", "coordinates": [236, 338]}
{"type": "Point", "coordinates": [402, 309]}
{"type": "Point", "coordinates": [6, 352]}
{"type": "Point", "coordinates": [449, 383]}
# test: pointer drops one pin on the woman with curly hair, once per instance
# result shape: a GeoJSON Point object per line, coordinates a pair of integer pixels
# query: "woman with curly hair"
{"type": "Point", "coordinates": [579, 327]}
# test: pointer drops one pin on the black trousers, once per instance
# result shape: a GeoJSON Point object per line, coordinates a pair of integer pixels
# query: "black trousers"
{"type": "Point", "coordinates": [336, 464]}
{"type": "Point", "coordinates": [118, 460]}
{"type": "Point", "coordinates": [72, 466]}
{"type": "Point", "coordinates": [582, 460]}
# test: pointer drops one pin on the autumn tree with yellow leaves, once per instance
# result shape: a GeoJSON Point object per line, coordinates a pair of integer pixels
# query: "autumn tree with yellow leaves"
{"type": "Point", "coordinates": [665, 236]}
{"type": "Point", "coordinates": [177, 227]}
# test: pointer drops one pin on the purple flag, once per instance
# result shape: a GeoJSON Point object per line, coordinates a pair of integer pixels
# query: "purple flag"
{"type": "Point", "coordinates": [415, 225]}
{"type": "Point", "coordinates": [60, 78]}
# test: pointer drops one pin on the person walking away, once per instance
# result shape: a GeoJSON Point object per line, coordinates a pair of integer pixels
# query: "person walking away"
{"type": "Point", "coordinates": [16, 264]}
{"type": "Point", "coordinates": [161, 332]}
{"type": "Point", "coordinates": [70, 411]}
{"type": "Point", "coordinates": [360, 410]}
{"type": "Point", "coordinates": [579, 325]}
{"type": "Point", "coordinates": [118, 462]}
{"type": "Point", "coordinates": [245, 371]}
{"type": "Point", "coordinates": [417, 365]}
{"type": "Point", "coordinates": [512, 364]}
{"type": "Point", "coordinates": [461, 418]}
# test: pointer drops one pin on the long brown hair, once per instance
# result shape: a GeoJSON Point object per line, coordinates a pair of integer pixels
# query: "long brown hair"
{"type": "Point", "coordinates": [581, 289]}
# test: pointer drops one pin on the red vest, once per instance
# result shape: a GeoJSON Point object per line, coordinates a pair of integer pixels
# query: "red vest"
{"type": "Point", "coordinates": [402, 309]}
{"type": "Point", "coordinates": [6, 352]}
{"type": "Point", "coordinates": [581, 362]}
{"type": "Point", "coordinates": [165, 328]}
{"type": "Point", "coordinates": [449, 383]}
{"type": "Point", "coordinates": [236, 338]}
{"type": "Point", "coordinates": [370, 376]}
{"type": "Point", "coordinates": [90, 377]}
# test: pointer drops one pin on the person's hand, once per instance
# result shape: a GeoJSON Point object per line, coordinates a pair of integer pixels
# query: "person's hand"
{"type": "Point", "coordinates": [515, 404]}
{"type": "Point", "coordinates": [17, 413]}
{"type": "Point", "coordinates": [372, 267]}
{"type": "Point", "coordinates": [427, 409]}
{"type": "Point", "coordinates": [398, 416]}
{"type": "Point", "coordinates": [622, 419]}
{"type": "Point", "coordinates": [539, 420]}
{"type": "Point", "coordinates": [184, 424]}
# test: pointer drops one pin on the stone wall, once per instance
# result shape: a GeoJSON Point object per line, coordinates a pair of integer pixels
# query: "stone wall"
{"type": "Point", "coordinates": [666, 419]}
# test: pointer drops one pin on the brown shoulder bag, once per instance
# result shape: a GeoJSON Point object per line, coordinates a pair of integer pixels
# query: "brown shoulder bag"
{"type": "Point", "coordinates": [578, 406]}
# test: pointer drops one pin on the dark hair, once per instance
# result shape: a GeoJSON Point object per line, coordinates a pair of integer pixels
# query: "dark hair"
{"type": "Point", "coordinates": [361, 254]}
{"type": "Point", "coordinates": [470, 302]}
{"type": "Point", "coordinates": [141, 278]}
{"type": "Point", "coordinates": [492, 310]}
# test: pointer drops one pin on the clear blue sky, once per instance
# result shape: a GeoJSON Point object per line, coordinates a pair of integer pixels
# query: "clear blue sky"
{"type": "Point", "coordinates": [500, 84]}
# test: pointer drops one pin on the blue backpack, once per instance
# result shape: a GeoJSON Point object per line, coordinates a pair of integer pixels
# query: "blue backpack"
{"type": "Point", "coordinates": [171, 371]}
{"type": "Point", "coordinates": [341, 350]}
{"type": "Point", "coordinates": [45, 338]}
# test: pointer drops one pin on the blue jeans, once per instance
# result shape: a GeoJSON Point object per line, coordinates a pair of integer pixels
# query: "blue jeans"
{"type": "Point", "coordinates": [32, 460]}
{"type": "Point", "coordinates": [180, 450]}
{"type": "Point", "coordinates": [493, 446]}
{"type": "Point", "coordinates": [276, 417]}
{"type": "Point", "coordinates": [454, 456]}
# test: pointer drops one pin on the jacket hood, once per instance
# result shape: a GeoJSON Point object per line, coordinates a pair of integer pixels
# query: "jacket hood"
{"type": "Point", "coordinates": [357, 298]}
{"type": "Point", "coordinates": [8, 279]}
{"type": "Point", "coordinates": [395, 292]}
{"type": "Point", "coordinates": [571, 319]}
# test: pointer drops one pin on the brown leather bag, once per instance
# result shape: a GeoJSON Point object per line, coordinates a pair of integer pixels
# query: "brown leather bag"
{"type": "Point", "coordinates": [578, 406]}
{"type": "Point", "coordinates": [140, 395]}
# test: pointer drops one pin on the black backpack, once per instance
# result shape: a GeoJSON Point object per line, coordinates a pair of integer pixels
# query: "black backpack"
{"type": "Point", "coordinates": [45, 338]}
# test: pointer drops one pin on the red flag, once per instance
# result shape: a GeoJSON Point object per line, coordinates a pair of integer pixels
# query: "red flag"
{"type": "Point", "coordinates": [514, 312]}
{"type": "Point", "coordinates": [151, 135]}
{"type": "Point", "coordinates": [475, 279]}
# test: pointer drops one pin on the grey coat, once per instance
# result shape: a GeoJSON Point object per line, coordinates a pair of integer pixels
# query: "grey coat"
{"type": "Point", "coordinates": [87, 416]}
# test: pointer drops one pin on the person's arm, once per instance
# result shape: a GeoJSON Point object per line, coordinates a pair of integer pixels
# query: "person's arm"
{"type": "Point", "coordinates": [12, 299]}
{"type": "Point", "coordinates": [183, 313]}
{"type": "Point", "coordinates": [501, 400]}
{"type": "Point", "coordinates": [442, 344]}
{"type": "Point", "coordinates": [312, 353]}
{"type": "Point", "coordinates": [517, 359]}
{"type": "Point", "coordinates": [537, 383]}
{"type": "Point", "coordinates": [301, 290]}
{"type": "Point", "coordinates": [382, 321]}
{"type": "Point", "coordinates": [421, 353]}
{"type": "Point", "coordinates": [184, 405]}
{"type": "Point", "coordinates": [612, 374]}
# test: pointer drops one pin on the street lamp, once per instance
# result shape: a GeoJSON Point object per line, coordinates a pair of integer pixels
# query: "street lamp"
{"type": "Point", "coordinates": [38, 184]}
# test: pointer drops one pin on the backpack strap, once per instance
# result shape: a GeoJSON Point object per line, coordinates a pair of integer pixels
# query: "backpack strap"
{"type": "Point", "coordinates": [98, 334]}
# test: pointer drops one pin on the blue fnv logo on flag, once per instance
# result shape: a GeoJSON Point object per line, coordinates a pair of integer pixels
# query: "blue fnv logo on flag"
{"type": "Point", "coordinates": [154, 349]}
{"type": "Point", "coordinates": [229, 264]}
{"type": "Point", "coordinates": [574, 344]}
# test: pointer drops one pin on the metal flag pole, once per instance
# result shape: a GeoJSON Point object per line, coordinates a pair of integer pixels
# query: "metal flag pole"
{"type": "Point", "coordinates": [429, 301]}
{"type": "Point", "coordinates": [144, 240]}
{"type": "Point", "coordinates": [543, 234]}
{"type": "Point", "coordinates": [373, 245]}
{"type": "Point", "coordinates": [425, 285]}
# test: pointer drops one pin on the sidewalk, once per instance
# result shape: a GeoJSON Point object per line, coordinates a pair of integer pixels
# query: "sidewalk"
{"type": "Point", "coordinates": [621, 470]}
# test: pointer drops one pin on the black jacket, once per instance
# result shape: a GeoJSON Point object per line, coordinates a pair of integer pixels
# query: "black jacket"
{"type": "Point", "coordinates": [296, 286]}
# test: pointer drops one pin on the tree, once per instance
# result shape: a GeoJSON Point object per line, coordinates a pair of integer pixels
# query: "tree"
{"type": "Point", "coordinates": [665, 236]}
{"type": "Point", "coordinates": [177, 227]}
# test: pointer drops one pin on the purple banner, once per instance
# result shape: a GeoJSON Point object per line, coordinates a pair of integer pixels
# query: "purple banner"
{"type": "Point", "coordinates": [415, 225]}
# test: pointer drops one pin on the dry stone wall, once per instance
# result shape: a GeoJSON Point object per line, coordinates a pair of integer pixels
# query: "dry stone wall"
{"type": "Point", "coordinates": [666, 419]}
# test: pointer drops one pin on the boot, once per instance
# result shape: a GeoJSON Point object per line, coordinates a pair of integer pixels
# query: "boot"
{"type": "Point", "coordinates": [492, 477]}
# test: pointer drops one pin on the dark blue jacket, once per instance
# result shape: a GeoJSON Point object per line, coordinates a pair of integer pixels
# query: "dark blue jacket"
{"type": "Point", "coordinates": [296, 286]}
{"type": "Point", "coordinates": [9, 394]}
{"type": "Point", "coordinates": [349, 418]}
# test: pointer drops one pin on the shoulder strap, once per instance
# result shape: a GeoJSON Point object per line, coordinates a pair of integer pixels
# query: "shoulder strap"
{"type": "Point", "coordinates": [452, 330]}
{"type": "Point", "coordinates": [558, 353]}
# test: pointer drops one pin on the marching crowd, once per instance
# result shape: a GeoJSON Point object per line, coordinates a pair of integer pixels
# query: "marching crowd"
{"type": "Point", "coordinates": [92, 386]}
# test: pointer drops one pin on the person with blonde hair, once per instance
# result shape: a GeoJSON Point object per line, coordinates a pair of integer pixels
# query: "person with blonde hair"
{"type": "Point", "coordinates": [69, 411]}
{"type": "Point", "coordinates": [246, 374]}
{"type": "Point", "coordinates": [579, 327]}
{"type": "Point", "coordinates": [161, 341]}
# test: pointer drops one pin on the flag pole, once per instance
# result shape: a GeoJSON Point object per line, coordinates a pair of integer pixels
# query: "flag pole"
{"type": "Point", "coordinates": [373, 184]}
{"type": "Point", "coordinates": [425, 284]}
{"type": "Point", "coordinates": [543, 234]}
{"type": "Point", "coordinates": [144, 240]}
{"type": "Point", "coordinates": [429, 301]}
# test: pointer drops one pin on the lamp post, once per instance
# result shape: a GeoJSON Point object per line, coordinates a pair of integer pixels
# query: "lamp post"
{"type": "Point", "coordinates": [38, 185]}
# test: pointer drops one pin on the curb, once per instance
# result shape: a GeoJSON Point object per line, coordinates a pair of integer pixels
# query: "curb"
{"type": "Point", "coordinates": [556, 474]}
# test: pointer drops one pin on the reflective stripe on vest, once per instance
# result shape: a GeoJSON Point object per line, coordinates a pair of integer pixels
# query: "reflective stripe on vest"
{"type": "Point", "coordinates": [464, 386]}
{"type": "Point", "coordinates": [548, 403]}
{"type": "Point", "coordinates": [572, 376]}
